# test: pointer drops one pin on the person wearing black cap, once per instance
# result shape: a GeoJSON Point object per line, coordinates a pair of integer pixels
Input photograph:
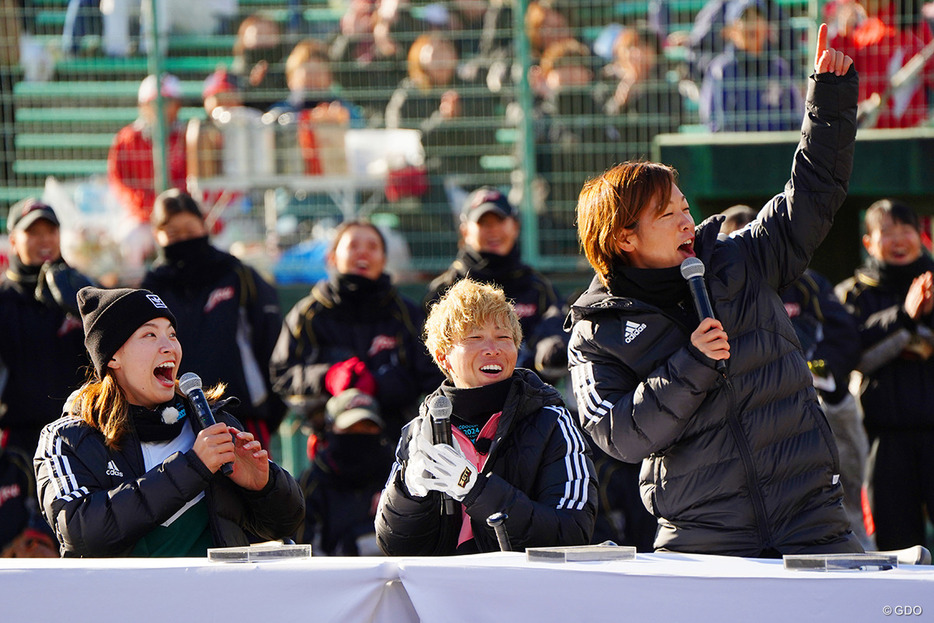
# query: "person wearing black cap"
{"type": "Point", "coordinates": [41, 345]}
{"type": "Point", "coordinates": [489, 228]}
{"type": "Point", "coordinates": [349, 468]}
{"type": "Point", "coordinates": [128, 470]}
{"type": "Point", "coordinates": [228, 315]}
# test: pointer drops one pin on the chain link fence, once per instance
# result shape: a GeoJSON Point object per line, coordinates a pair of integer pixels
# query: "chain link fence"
{"type": "Point", "coordinates": [289, 116]}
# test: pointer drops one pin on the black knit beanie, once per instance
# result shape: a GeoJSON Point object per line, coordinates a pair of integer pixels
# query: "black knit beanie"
{"type": "Point", "coordinates": [110, 317]}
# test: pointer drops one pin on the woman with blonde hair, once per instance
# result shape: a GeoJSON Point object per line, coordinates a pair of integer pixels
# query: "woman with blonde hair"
{"type": "Point", "coordinates": [516, 448]}
{"type": "Point", "coordinates": [129, 470]}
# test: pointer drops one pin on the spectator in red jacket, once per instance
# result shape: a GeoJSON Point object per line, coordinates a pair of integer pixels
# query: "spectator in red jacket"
{"type": "Point", "coordinates": [130, 163]}
{"type": "Point", "coordinates": [881, 41]}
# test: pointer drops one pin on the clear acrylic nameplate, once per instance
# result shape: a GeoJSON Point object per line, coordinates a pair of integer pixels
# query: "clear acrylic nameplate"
{"type": "Point", "coordinates": [841, 562]}
{"type": "Point", "coordinates": [581, 553]}
{"type": "Point", "coordinates": [260, 552]}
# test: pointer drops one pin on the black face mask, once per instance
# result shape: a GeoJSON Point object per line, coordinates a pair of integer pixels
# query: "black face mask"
{"type": "Point", "coordinates": [357, 459]}
{"type": "Point", "coordinates": [195, 262]}
{"type": "Point", "coordinates": [189, 252]}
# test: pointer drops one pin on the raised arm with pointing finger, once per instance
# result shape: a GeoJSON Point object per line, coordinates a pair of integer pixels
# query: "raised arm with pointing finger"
{"type": "Point", "coordinates": [742, 462]}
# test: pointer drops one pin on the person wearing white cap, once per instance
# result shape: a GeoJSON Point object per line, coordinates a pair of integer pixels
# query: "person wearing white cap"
{"type": "Point", "coordinates": [130, 161]}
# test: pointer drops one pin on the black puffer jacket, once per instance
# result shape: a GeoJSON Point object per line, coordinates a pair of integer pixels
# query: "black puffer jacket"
{"type": "Point", "coordinates": [538, 471]}
{"type": "Point", "coordinates": [350, 316]}
{"type": "Point", "coordinates": [228, 320]}
{"type": "Point", "coordinates": [42, 349]}
{"type": "Point", "coordinates": [897, 390]}
{"type": "Point", "coordinates": [101, 501]}
{"type": "Point", "coordinates": [745, 464]}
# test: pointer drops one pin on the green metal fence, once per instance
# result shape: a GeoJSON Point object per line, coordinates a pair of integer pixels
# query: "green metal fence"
{"type": "Point", "coordinates": [532, 120]}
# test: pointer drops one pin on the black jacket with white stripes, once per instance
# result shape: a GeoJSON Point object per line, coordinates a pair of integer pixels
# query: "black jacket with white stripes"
{"type": "Point", "coordinates": [100, 501]}
{"type": "Point", "coordinates": [742, 464]}
{"type": "Point", "coordinates": [538, 471]}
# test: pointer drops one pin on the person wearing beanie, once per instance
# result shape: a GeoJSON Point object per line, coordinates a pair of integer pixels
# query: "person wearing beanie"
{"type": "Point", "coordinates": [228, 315]}
{"type": "Point", "coordinates": [42, 355]}
{"type": "Point", "coordinates": [129, 470]}
{"type": "Point", "coordinates": [489, 228]}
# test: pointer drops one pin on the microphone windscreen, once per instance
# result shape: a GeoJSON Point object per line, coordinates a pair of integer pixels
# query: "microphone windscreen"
{"type": "Point", "coordinates": [440, 407]}
{"type": "Point", "coordinates": [189, 382]}
{"type": "Point", "coordinates": [692, 267]}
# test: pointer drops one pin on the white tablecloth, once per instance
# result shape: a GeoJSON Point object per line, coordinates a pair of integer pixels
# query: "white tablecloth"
{"type": "Point", "coordinates": [486, 587]}
{"type": "Point", "coordinates": [178, 590]}
{"type": "Point", "coordinates": [656, 588]}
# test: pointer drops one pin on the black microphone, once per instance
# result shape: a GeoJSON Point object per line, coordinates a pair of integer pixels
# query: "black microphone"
{"type": "Point", "coordinates": [692, 269]}
{"type": "Point", "coordinates": [439, 410]}
{"type": "Point", "coordinates": [190, 384]}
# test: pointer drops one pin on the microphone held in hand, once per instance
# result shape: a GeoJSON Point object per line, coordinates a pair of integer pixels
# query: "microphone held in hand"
{"type": "Point", "coordinates": [692, 269]}
{"type": "Point", "coordinates": [439, 410]}
{"type": "Point", "coordinates": [190, 384]}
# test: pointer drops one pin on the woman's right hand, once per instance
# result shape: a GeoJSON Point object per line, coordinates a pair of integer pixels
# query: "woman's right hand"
{"type": "Point", "coordinates": [710, 339]}
{"type": "Point", "coordinates": [920, 299]}
{"type": "Point", "coordinates": [214, 446]}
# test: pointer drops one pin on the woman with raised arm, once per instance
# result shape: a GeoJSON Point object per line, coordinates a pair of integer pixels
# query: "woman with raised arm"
{"type": "Point", "coordinates": [737, 459]}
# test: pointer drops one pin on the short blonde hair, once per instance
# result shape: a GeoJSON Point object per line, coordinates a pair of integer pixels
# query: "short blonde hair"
{"type": "Point", "coordinates": [467, 305]}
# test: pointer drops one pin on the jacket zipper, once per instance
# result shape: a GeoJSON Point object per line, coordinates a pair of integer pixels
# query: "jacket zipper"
{"type": "Point", "coordinates": [755, 495]}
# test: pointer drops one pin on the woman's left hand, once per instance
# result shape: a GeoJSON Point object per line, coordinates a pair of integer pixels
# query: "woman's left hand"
{"type": "Point", "coordinates": [251, 462]}
{"type": "Point", "coordinates": [829, 60]}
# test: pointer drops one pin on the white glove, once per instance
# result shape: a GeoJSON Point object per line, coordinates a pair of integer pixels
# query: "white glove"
{"type": "Point", "coordinates": [414, 474]}
{"type": "Point", "coordinates": [449, 469]}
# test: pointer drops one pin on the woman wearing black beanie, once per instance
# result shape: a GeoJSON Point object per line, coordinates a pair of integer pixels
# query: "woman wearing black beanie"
{"type": "Point", "coordinates": [129, 471]}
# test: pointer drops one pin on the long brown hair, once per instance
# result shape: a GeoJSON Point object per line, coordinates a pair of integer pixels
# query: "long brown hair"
{"type": "Point", "coordinates": [614, 202]}
{"type": "Point", "coordinates": [101, 404]}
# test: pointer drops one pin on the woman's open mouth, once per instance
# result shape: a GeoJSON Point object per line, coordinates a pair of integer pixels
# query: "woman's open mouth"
{"type": "Point", "coordinates": [165, 373]}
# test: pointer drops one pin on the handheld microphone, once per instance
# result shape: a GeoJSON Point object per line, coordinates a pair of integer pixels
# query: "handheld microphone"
{"type": "Point", "coordinates": [692, 269]}
{"type": "Point", "coordinates": [439, 410]}
{"type": "Point", "coordinates": [190, 384]}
